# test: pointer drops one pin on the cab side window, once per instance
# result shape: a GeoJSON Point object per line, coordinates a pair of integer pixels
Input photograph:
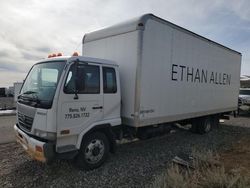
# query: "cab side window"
{"type": "Point", "coordinates": [109, 80]}
{"type": "Point", "coordinates": [88, 80]}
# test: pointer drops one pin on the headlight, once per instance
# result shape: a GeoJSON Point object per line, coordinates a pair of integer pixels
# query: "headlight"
{"type": "Point", "coordinates": [44, 134]}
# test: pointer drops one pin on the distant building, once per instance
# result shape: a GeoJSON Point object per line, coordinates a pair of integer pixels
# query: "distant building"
{"type": "Point", "coordinates": [245, 81]}
{"type": "Point", "coordinates": [10, 91]}
{"type": "Point", "coordinates": [3, 92]}
{"type": "Point", "coordinates": [17, 88]}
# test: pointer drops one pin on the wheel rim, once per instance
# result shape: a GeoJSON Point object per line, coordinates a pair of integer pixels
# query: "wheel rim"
{"type": "Point", "coordinates": [94, 151]}
{"type": "Point", "coordinates": [207, 126]}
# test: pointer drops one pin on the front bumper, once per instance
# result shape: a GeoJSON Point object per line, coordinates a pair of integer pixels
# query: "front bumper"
{"type": "Point", "coordinates": [38, 150]}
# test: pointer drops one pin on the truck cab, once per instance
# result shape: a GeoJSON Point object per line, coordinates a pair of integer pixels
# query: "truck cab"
{"type": "Point", "coordinates": [67, 107]}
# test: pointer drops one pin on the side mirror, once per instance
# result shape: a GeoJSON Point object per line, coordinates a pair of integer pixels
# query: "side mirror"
{"type": "Point", "coordinates": [76, 79]}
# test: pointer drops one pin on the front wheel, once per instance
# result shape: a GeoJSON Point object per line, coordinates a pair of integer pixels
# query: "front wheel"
{"type": "Point", "coordinates": [93, 152]}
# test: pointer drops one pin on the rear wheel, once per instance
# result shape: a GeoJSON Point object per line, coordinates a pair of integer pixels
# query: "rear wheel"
{"type": "Point", "coordinates": [202, 125]}
{"type": "Point", "coordinates": [205, 125]}
{"type": "Point", "coordinates": [215, 121]}
{"type": "Point", "coordinates": [194, 128]}
{"type": "Point", "coordinates": [93, 152]}
{"type": "Point", "coordinates": [143, 134]}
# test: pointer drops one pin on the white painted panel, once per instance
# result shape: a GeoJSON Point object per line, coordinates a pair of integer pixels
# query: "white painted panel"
{"type": "Point", "coordinates": [162, 97]}
{"type": "Point", "coordinates": [112, 101]}
{"type": "Point", "coordinates": [166, 46]}
{"type": "Point", "coordinates": [123, 50]}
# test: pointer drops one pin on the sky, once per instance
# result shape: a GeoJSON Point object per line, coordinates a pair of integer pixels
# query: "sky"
{"type": "Point", "coordinates": [30, 30]}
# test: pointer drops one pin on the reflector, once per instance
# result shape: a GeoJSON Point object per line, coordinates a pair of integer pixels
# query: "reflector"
{"type": "Point", "coordinates": [39, 148]}
{"type": "Point", "coordinates": [67, 131]}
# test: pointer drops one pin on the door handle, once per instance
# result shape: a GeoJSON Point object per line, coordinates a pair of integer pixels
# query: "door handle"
{"type": "Point", "coordinates": [97, 107]}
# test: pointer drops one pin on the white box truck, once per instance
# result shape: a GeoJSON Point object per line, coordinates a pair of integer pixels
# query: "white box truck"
{"type": "Point", "coordinates": [134, 79]}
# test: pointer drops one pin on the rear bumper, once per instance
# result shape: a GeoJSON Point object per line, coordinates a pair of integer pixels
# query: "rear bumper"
{"type": "Point", "coordinates": [38, 150]}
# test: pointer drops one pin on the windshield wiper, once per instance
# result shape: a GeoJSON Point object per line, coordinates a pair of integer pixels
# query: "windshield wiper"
{"type": "Point", "coordinates": [29, 92]}
{"type": "Point", "coordinates": [34, 97]}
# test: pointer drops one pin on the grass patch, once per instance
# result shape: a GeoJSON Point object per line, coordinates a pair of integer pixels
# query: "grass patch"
{"type": "Point", "coordinates": [208, 172]}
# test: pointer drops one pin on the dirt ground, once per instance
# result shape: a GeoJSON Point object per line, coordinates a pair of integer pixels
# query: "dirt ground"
{"type": "Point", "coordinates": [238, 157]}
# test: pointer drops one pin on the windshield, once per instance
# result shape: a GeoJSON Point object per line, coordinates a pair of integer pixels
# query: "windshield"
{"type": "Point", "coordinates": [40, 85]}
{"type": "Point", "coordinates": [245, 92]}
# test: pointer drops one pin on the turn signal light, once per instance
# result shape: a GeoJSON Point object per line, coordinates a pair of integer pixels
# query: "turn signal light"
{"type": "Point", "coordinates": [66, 131]}
{"type": "Point", "coordinates": [59, 54]}
{"type": "Point", "coordinates": [39, 149]}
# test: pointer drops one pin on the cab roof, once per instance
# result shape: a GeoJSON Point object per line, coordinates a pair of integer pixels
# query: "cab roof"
{"type": "Point", "coordinates": [81, 58]}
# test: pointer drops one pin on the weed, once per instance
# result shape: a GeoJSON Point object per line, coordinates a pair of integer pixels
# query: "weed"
{"type": "Point", "coordinates": [209, 172]}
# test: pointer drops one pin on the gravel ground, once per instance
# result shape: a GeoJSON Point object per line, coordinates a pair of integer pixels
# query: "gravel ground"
{"type": "Point", "coordinates": [7, 133]}
{"type": "Point", "coordinates": [7, 102]}
{"type": "Point", "coordinates": [135, 164]}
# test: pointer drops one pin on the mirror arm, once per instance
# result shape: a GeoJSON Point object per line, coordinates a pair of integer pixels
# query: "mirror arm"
{"type": "Point", "coordinates": [76, 96]}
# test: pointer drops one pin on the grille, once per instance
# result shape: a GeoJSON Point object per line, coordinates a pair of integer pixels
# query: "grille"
{"type": "Point", "coordinates": [25, 122]}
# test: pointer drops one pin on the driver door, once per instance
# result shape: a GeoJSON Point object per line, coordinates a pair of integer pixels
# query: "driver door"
{"type": "Point", "coordinates": [78, 111]}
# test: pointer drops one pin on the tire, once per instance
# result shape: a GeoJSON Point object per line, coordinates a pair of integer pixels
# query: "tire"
{"type": "Point", "coordinates": [215, 121]}
{"type": "Point", "coordinates": [143, 134]}
{"type": "Point", "coordinates": [194, 126]}
{"type": "Point", "coordinates": [205, 125]}
{"type": "Point", "coordinates": [94, 151]}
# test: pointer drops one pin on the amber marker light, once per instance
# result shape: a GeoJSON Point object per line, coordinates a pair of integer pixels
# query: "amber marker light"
{"type": "Point", "coordinates": [65, 131]}
{"type": "Point", "coordinates": [39, 149]}
{"type": "Point", "coordinates": [75, 54]}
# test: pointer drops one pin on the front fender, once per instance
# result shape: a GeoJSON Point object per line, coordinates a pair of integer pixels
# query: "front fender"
{"type": "Point", "coordinates": [103, 126]}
